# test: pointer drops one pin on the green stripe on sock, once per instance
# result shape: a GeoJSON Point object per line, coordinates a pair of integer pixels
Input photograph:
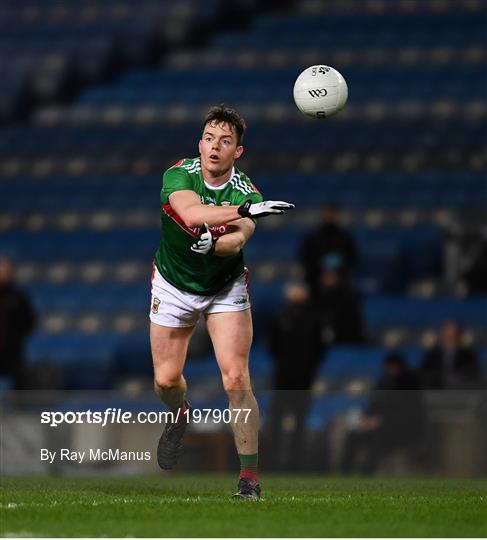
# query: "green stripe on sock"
{"type": "Point", "coordinates": [249, 462]}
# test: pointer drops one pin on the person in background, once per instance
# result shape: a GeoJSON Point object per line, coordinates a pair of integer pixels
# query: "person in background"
{"type": "Point", "coordinates": [329, 237]}
{"type": "Point", "coordinates": [392, 421]}
{"type": "Point", "coordinates": [449, 364]}
{"type": "Point", "coordinates": [297, 349]}
{"type": "Point", "coordinates": [339, 305]}
{"type": "Point", "coordinates": [17, 320]}
{"type": "Point", "coordinates": [475, 265]}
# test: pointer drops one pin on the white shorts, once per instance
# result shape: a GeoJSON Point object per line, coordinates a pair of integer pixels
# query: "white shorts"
{"type": "Point", "coordinates": [173, 307]}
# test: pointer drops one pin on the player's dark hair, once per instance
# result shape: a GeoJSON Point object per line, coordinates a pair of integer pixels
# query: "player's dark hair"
{"type": "Point", "coordinates": [225, 115]}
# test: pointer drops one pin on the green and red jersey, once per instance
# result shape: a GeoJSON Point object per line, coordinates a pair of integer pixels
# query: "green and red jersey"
{"type": "Point", "coordinates": [186, 270]}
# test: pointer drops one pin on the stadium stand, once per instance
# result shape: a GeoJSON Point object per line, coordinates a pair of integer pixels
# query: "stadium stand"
{"type": "Point", "coordinates": [50, 49]}
{"type": "Point", "coordinates": [79, 181]}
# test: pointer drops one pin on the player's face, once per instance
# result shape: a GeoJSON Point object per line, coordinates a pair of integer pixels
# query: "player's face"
{"type": "Point", "coordinates": [218, 149]}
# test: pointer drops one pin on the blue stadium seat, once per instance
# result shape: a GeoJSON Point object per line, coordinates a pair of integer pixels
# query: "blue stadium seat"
{"type": "Point", "coordinates": [84, 361]}
{"type": "Point", "coordinates": [325, 408]}
{"type": "Point", "coordinates": [359, 362]}
{"type": "Point", "coordinates": [352, 362]}
{"type": "Point", "coordinates": [389, 312]}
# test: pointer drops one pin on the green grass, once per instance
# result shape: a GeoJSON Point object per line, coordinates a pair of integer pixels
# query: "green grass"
{"type": "Point", "coordinates": [172, 505]}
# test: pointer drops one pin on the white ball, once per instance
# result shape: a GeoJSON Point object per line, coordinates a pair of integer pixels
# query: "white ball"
{"type": "Point", "coordinates": [320, 91]}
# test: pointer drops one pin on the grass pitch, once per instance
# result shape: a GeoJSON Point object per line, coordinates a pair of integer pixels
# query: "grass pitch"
{"type": "Point", "coordinates": [172, 505]}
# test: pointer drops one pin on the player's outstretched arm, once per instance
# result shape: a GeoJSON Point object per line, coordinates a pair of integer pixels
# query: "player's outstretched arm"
{"type": "Point", "coordinates": [187, 205]}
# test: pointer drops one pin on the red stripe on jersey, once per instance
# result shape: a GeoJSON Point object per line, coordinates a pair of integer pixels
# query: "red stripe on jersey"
{"type": "Point", "coordinates": [193, 231]}
{"type": "Point", "coordinates": [177, 164]}
{"type": "Point", "coordinates": [216, 230]}
{"type": "Point", "coordinates": [253, 185]}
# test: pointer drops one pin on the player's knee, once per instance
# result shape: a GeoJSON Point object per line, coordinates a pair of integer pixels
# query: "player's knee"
{"type": "Point", "coordinates": [167, 381]}
{"type": "Point", "coordinates": [237, 379]}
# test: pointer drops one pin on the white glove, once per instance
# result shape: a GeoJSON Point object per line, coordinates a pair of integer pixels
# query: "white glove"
{"type": "Point", "coordinates": [262, 209]}
{"type": "Point", "coordinates": [206, 243]}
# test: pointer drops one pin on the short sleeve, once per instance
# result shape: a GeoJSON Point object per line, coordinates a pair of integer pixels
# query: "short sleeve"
{"type": "Point", "coordinates": [254, 196]}
{"type": "Point", "coordinates": [175, 179]}
{"type": "Point", "coordinates": [257, 195]}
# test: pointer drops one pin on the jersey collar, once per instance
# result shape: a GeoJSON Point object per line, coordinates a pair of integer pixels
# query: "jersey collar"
{"type": "Point", "coordinates": [218, 188]}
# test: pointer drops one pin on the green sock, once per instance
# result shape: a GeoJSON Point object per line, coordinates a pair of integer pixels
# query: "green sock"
{"type": "Point", "coordinates": [249, 466]}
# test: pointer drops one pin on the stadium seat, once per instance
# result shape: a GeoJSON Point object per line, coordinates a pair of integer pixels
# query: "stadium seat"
{"type": "Point", "coordinates": [118, 97]}
{"type": "Point", "coordinates": [324, 409]}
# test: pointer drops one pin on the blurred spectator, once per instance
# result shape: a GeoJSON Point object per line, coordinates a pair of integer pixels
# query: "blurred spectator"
{"type": "Point", "coordinates": [449, 364]}
{"type": "Point", "coordinates": [466, 261]}
{"type": "Point", "coordinates": [296, 347]}
{"type": "Point", "coordinates": [475, 266]}
{"type": "Point", "coordinates": [393, 420]}
{"type": "Point", "coordinates": [340, 312]}
{"type": "Point", "coordinates": [328, 238]}
{"type": "Point", "coordinates": [17, 320]}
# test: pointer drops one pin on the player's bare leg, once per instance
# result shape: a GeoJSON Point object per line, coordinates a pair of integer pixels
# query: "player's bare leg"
{"type": "Point", "coordinates": [169, 348]}
{"type": "Point", "coordinates": [231, 335]}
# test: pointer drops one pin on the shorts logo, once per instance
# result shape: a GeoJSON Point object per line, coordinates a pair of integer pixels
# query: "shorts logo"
{"type": "Point", "coordinates": [240, 301]}
{"type": "Point", "coordinates": [155, 305]}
